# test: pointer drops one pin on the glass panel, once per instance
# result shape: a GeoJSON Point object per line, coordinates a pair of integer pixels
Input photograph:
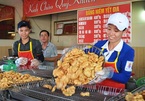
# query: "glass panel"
{"type": "Point", "coordinates": [66, 27]}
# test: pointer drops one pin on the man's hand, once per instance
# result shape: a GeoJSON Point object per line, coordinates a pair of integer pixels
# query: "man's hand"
{"type": "Point", "coordinates": [21, 61]}
{"type": "Point", "coordinates": [34, 63]}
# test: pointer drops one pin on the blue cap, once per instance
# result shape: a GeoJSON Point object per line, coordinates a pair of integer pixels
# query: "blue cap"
{"type": "Point", "coordinates": [24, 24]}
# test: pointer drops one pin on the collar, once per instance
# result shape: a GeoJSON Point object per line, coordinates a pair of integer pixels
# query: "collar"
{"type": "Point", "coordinates": [48, 44]}
{"type": "Point", "coordinates": [117, 48]}
{"type": "Point", "coordinates": [27, 42]}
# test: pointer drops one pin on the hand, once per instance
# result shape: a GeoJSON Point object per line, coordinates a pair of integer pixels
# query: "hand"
{"type": "Point", "coordinates": [34, 63]}
{"type": "Point", "coordinates": [21, 61]}
{"type": "Point", "coordinates": [100, 76]}
{"type": "Point", "coordinates": [108, 72]}
{"type": "Point", "coordinates": [65, 50]}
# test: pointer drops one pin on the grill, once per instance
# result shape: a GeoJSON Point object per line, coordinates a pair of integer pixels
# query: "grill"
{"type": "Point", "coordinates": [121, 96]}
{"type": "Point", "coordinates": [36, 91]}
{"type": "Point", "coordinates": [112, 91]}
{"type": "Point", "coordinates": [46, 74]}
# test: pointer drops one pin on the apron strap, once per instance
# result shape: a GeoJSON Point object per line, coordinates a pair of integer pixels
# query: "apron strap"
{"type": "Point", "coordinates": [30, 46]}
{"type": "Point", "coordinates": [18, 47]}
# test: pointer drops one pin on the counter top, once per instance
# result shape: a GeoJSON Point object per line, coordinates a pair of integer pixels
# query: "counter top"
{"type": "Point", "coordinates": [2, 62]}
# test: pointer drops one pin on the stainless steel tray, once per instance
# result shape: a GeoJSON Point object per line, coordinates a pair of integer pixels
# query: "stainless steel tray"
{"type": "Point", "coordinates": [121, 96]}
{"type": "Point", "coordinates": [11, 94]}
{"type": "Point", "coordinates": [20, 97]}
{"type": "Point", "coordinates": [38, 72]}
{"type": "Point", "coordinates": [38, 92]}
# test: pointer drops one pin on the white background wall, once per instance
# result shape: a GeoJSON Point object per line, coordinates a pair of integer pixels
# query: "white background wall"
{"type": "Point", "coordinates": [47, 22]}
{"type": "Point", "coordinates": [138, 24]}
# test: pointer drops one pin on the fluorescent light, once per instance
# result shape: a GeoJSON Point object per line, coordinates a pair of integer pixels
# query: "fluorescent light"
{"type": "Point", "coordinates": [11, 32]}
{"type": "Point", "coordinates": [143, 15]}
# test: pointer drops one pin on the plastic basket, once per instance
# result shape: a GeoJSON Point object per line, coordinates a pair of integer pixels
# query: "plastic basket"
{"type": "Point", "coordinates": [140, 81]}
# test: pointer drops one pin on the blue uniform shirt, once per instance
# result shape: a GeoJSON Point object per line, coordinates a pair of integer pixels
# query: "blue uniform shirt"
{"type": "Point", "coordinates": [50, 51]}
{"type": "Point", "coordinates": [125, 59]}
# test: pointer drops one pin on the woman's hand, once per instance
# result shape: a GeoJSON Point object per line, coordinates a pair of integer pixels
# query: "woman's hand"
{"type": "Point", "coordinates": [100, 76]}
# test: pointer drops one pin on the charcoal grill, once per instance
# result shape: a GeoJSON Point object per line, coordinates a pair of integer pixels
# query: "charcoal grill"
{"type": "Point", "coordinates": [35, 90]}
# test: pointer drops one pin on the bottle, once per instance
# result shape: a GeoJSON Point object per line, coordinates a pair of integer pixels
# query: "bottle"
{"type": "Point", "coordinates": [131, 84]}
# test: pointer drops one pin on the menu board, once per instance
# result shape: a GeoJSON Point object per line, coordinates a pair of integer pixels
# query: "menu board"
{"type": "Point", "coordinates": [92, 23]}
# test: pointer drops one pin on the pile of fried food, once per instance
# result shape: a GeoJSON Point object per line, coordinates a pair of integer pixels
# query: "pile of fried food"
{"type": "Point", "coordinates": [139, 96]}
{"type": "Point", "coordinates": [9, 78]}
{"type": "Point", "coordinates": [75, 69]}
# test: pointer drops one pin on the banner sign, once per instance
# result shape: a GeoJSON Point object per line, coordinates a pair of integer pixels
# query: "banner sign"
{"type": "Point", "coordinates": [92, 23]}
{"type": "Point", "coordinates": [6, 12]}
{"type": "Point", "coordinates": [42, 7]}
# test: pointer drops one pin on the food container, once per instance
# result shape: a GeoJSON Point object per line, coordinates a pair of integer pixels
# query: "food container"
{"type": "Point", "coordinates": [5, 58]}
{"type": "Point", "coordinates": [37, 91]}
{"type": "Point", "coordinates": [86, 48]}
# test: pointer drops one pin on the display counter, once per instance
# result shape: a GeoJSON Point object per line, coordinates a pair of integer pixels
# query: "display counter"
{"type": "Point", "coordinates": [35, 91]}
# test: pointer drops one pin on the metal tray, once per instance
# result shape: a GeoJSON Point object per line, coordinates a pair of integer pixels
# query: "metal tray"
{"type": "Point", "coordinates": [21, 97]}
{"type": "Point", "coordinates": [46, 95]}
{"type": "Point", "coordinates": [6, 95]}
{"type": "Point", "coordinates": [38, 92]}
{"type": "Point", "coordinates": [38, 72]}
{"type": "Point", "coordinates": [121, 97]}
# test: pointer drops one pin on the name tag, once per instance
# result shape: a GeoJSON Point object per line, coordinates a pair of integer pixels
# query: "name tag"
{"type": "Point", "coordinates": [128, 66]}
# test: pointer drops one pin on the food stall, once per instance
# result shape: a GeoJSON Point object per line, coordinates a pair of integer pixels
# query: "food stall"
{"type": "Point", "coordinates": [41, 91]}
{"type": "Point", "coordinates": [43, 85]}
{"type": "Point", "coordinates": [52, 85]}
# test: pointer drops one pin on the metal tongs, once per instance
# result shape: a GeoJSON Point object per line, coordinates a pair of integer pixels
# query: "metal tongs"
{"type": "Point", "coordinates": [33, 71]}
